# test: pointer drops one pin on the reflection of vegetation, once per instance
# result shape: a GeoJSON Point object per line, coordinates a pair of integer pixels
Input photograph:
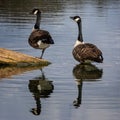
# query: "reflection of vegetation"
{"type": "Point", "coordinates": [18, 7]}
{"type": "Point", "coordinates": [84, 72]}
{"type": "Point", "coordinates": [17, 11]}
{"type": "Point", "coordinates": [41, 88]}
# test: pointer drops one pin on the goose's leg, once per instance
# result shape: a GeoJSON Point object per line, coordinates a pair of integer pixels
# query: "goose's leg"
{"type": "Point", "coordinates": [42, 53]}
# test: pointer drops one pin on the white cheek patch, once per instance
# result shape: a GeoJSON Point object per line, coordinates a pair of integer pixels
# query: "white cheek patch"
{"type": "Point", "coordinates": [35, 12]}
{"type": "Point", "coordinates": [77, 19]}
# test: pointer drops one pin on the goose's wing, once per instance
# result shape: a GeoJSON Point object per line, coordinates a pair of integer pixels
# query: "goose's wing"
{"type": "Point", "coordinates": [41, 35]}
{"type": "Point", "coordinates": [87, 51]}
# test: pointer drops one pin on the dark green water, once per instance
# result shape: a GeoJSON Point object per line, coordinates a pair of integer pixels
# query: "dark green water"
{"type": "Point", "coordinates": [75, 93]}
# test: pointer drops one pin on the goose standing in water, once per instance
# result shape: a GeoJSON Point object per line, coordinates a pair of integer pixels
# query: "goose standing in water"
{"type": "Point", "coordinates": [83, 52]}
{"type": "Point", "coordinates": [39, 39]}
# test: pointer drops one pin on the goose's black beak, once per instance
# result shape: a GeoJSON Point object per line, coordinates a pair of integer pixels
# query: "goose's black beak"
{"type": "Point", "coordinates": [30, 13]}
{"type": "Point", "coordinates": [72, 18]}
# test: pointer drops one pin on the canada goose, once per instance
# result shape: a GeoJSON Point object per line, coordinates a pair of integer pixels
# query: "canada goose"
{"type": "Point", "coordinates": [83, 52]}
{"type": "Point", "coordinates": [39, 39]}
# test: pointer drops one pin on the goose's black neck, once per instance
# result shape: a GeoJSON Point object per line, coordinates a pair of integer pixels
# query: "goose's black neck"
{"type": "Point", "coordinates": [80, 37]}
{"type": "Point", "coordinates": [37, 24]}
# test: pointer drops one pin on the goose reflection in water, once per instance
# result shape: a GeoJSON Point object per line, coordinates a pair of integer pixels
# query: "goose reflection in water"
{"type": "Point", "coordinates": [85, 72]}
{"type": "Point", "coordinates": [40, 87]}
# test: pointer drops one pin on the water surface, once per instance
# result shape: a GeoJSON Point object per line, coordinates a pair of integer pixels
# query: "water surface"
{"type": "Point", "coordinates": [70, 91]}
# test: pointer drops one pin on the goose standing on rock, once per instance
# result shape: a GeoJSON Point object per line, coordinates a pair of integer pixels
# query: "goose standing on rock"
{"type": "Point", "coordinates": [84, 52]}
{"type": "Point", "coordinates": [39, 39]}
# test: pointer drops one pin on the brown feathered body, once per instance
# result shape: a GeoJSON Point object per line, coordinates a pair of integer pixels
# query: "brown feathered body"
{"type": "Point", "coordinates": [87, 52]}
{"type": "Point", "coordinates": [40, 39]}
